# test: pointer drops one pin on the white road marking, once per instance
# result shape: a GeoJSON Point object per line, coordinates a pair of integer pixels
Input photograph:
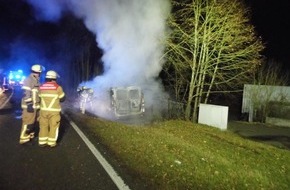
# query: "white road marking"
{"type": "Point", "coordinates": [109, 169]}
{"type": "Point", "coordinates": [7, 100]}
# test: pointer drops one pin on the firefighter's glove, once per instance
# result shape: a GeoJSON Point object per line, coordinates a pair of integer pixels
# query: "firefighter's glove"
{"type": "Point", "coordinates": [30, 108]}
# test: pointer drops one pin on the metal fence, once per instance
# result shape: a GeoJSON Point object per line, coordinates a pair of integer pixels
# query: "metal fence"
{"type": "Point", "coordinates": [169, 109]}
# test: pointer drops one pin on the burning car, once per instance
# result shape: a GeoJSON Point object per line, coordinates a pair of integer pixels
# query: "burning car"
{"type": "Point", "coordinates": [127, 101]}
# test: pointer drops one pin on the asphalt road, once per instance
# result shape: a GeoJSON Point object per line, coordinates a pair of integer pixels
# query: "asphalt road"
{"type": "Point", "coordinates": [71, 165]}
{"type": "Point", "coordinates": [269, 134]}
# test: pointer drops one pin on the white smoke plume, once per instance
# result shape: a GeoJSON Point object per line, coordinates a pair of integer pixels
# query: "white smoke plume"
{"type": "Point", "coordinates": [128, 31]}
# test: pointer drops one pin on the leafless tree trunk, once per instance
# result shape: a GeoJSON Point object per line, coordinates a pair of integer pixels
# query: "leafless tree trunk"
{"type": "Point", "coordinates": [214, 42]}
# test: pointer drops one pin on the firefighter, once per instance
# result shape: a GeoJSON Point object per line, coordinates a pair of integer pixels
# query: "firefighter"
{"type": "Point", "coordinates": [85, 96]}
{"type": "Point", "coordinates": [51, 94]}
{"type": "Point", "coordinates": [30, 104]}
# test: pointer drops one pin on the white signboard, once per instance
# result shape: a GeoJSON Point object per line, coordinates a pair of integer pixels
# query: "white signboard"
{"type": "Point", "coordinates": [213, 115]}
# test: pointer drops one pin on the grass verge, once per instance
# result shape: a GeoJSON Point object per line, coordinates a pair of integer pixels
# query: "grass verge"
{"type": "Point", "coordinates": [181, 155]}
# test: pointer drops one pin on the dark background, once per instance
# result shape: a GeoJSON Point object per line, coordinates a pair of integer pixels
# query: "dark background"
{"type": "Point", "coordinates": [25, 41]}
{"type": "Point", "coordinates": [272, 21]}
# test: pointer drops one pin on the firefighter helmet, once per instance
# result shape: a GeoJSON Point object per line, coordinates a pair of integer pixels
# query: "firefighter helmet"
{"type": "Point", "coordinates": [51, 75]}
{"type": "Point", "coordinates": [37, 68]}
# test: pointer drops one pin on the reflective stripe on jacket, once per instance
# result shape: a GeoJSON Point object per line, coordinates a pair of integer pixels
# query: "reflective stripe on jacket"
{"type": "Point", "coordinates": [30, 87]}
{"type": "Point", "coordinates": [50, 94]}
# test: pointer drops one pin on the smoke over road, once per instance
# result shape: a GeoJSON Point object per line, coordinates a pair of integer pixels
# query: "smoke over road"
{"type": "Point", "coordinates": [130, 33]}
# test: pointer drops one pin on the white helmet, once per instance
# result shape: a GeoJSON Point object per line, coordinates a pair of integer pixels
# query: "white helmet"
{"type": "Point", "coordinates": [37, 68]}
{"type": "Point", "coordinates": [51, 75]}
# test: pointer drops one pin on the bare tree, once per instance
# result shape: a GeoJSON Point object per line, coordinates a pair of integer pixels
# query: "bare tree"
{"type": "Point", "coordinates": [271, 73]}
{"type": "Point", "coordinates": [211, 47]}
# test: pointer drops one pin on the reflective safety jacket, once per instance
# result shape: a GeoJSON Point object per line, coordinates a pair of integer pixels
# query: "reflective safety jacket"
{"type": "Point", "coordinates": [30, 86]}
{"type": "Point", "coordinates": [51, 94]}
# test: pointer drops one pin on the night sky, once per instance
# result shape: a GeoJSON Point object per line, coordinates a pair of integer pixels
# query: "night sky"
{"type": "Point", "coordinates": [272, 21]}
{"type": "Point", "coordinates": [270, 17]}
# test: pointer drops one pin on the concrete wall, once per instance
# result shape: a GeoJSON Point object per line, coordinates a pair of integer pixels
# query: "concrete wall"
{"type": "Point", "coordinates": [254, 96]}
{"type": "Point", "coordinates": [213, 115]}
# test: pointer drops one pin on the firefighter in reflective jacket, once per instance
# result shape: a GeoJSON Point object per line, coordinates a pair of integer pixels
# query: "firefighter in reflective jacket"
{"type": "Point", "coordinates": [51, 94]}
{"type": "Point", "coordinates": [30, 104]}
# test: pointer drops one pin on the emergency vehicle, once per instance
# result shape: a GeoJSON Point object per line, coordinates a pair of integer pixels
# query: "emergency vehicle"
{"type": "Point", "coordinates": [16, 78]}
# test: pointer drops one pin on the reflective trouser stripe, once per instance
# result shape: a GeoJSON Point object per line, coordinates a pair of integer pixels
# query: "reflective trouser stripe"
{"type": "Point", "coordinates": [28, 120]}
{"type": "Point", "coordinates": [23, 136]}
{"type": "Point", "coordinates": [52, 141]}
{"type": "Point", "coordinates": [42, 140]}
